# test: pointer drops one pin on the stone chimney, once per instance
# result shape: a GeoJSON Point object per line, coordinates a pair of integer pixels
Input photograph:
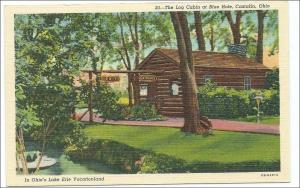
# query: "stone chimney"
{"type": "Point", "coordinates": [239, 49]}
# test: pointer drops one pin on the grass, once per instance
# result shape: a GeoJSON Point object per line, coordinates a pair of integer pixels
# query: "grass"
{"type": "Point", "coordinates": [269, 120]}
{"type": "Point", "coordinates": [225, 147]}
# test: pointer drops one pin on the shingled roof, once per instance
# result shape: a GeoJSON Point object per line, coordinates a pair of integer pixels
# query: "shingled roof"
{"type": "Point", "coordinates": [212, 59]}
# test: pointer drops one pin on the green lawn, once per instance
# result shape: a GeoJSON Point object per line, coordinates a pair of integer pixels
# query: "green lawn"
{"type": "Point", "coordinates": [220, 147]}
{"type": "Point", "coordinates": [269, 120]}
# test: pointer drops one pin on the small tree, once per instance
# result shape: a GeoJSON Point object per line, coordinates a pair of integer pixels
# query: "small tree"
{"type": "Point", "coordinates": [46, 64]}
{"type": "Point", "coordinates": [25, 119]}
{"type": "Point", "coordinates": [106, 102]}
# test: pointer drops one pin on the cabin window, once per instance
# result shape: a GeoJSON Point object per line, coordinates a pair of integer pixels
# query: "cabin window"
{"type": "Point", "coordinates": [247, 82]}
{"type": "Point", "coordinates": [207, 78]}
{"type": "Point", "coordinates": [174, 88]}
{"type": "Point", "coordinates": [144, 90]}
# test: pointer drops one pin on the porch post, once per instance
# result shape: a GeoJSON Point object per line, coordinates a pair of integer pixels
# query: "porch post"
{"type": "Point", "coordinates": [90, 106]}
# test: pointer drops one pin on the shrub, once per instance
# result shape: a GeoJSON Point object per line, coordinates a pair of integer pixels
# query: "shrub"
{"type": "Point", "coordinates": [223, 103]}
{"type": "Point", "coordinates": [209, 86]}
{"type": "Point", "coordinates": [76, 142]}
{"type": "Point", "coordinates": [144, 111]}
{"type": "Point", "coordinates": [113, 153]}
{"type": "Point", "coordinates": [272, 78]}
{"type": "Point", "coordinates": [160, 163]}
{"type": "Point", "coordinates": [121, 112]}
{"type": "Point", "coordinates": [70, 131]}
{"type": "Point", "coordinates": [271, 102]}
{"type": "Point", "coordinates": [246, 166]}
{"type": "Point", "coordinates": [106, 102]}
{"type": "Point", "coordinates": [220, 102]}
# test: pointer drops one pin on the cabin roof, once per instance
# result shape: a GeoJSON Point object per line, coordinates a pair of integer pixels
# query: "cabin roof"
{"type": "Point", "coordinates": [213, 59]}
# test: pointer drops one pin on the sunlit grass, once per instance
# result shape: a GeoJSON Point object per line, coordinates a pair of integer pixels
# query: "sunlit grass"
{"type": "Point", "coordinates": [222, 146]}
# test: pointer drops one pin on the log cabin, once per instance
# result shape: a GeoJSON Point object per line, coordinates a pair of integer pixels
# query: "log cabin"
{"type": "Point", "coordinates": [163, 88]}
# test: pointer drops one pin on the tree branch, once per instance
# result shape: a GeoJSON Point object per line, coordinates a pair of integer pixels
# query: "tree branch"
{"type": "Point", "coordinates": [123, 41]}
{"type": "Point", "coordinates": [123, 59]}
{"type": "Point", "coordinates": [131, 32]}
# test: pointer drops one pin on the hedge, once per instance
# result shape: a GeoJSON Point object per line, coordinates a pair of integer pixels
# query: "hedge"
{"type": "Point", "coordinates": [132, 160]}
{"type": "Point", "coordinates": [220, 102]}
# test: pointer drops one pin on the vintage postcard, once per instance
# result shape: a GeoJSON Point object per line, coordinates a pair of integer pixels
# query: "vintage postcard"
{"type": "Point", "coordinates": [147, 93]}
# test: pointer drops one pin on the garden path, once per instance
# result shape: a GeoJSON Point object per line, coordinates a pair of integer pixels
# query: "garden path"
{"type": "Point", "coordinates": [177, 122]}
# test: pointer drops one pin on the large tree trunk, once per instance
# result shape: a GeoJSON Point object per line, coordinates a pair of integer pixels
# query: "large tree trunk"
{"type": "Point", "coordinates": [211, 40]}
{"type": "Point", "coordinates": [199, 30]}
{"type": "Point", "coordinates": [235, 26]}
{"type": "Point", "coordinates": [192, 119]}
{"type": "Point", "coordinates": [260, 38]}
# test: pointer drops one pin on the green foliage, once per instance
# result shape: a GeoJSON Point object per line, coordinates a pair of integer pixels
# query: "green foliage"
{"type": "Point", "coordinates": [106, 102]}
{"type": "Point", "coordinates": [69, 135]}
{"type": "Point", "coordinates": [247, 166]}
{"type": "Point", "coordinates": [112, 153]}
{"type": "Point", "coordinates": [215, 32]}
{"type": "Point", "coordinates": [224, 103]}
{"type": "Point", "coordinates": [207, 87]}
{"type": "Point", "coordinates": [271, 102]}
{"type": "Point", "coordinates": [272, 31]}
{"type": "Point", "coordinates": [159, 163]}
{"type": "Point", "coordinates": [47, 61]}
{"type": "Point", "coordinates": [249, 33]}
{"type": "Point", "coordinates": [148, 29]}
{"type": "Point", "coordinates": [220, 102]}
{"type": "Point", "coordinates": [144, 111]}
{"type": "Point", "coordinates": [272, 78]}
{"type": "Point", "coordinates": [26, 116]}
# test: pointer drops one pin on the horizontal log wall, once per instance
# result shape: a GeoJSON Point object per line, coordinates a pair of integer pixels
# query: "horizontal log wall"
{"type": "Point", "coordinates": [233, 78]}
{"type": "Point", "coordinates": [172, 105]}
{"type": "Point", "coordinates": [169, 105]}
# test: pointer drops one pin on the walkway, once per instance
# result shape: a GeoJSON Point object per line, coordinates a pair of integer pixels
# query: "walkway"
{"type": "Point", "coordinates": [218, 124]}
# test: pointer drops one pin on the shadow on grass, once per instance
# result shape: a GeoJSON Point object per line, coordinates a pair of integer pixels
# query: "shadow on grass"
{"type": "Point", "coordinates": [118, 155]}
{"type": "Point", "coordinates": [65, 166]}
